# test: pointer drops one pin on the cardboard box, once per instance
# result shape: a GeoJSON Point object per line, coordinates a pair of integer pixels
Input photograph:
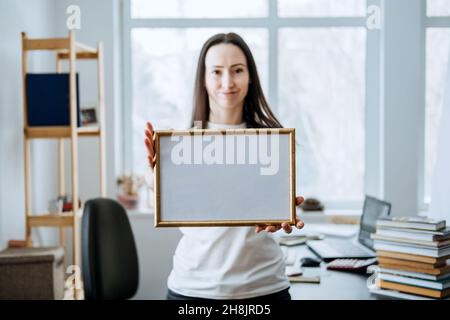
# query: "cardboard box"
{"type": "Point", "coordinates": [32, 273]}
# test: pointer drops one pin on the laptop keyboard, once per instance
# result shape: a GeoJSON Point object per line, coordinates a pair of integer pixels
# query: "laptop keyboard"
{"type": "Point", "coordinates": [338, 248]}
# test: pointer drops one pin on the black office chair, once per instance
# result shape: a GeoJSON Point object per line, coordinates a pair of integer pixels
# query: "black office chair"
{"type": "Point", "coordinates": [109, 255]}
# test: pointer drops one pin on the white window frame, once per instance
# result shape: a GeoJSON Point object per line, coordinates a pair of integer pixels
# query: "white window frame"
{"type": "Point", "coordinates": [373, 179]}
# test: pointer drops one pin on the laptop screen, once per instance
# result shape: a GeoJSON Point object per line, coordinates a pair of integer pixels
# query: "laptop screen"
{"type": "Point", "coordinates": [372, 210]}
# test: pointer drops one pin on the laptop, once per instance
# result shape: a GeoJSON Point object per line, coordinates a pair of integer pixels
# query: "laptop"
{"type": "Point", "coordinates": [330, 249]}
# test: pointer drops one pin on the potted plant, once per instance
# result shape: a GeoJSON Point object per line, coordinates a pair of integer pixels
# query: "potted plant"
{"type": "Point", "coordinates": [129, 187]}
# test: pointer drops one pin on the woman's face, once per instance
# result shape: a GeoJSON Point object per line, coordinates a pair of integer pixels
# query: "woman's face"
{"type": "Point", "coordinates": [226, 76]}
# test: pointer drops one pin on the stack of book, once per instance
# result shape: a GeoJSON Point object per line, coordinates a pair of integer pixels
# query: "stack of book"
{"type": "Point", "coordinates": [412, 255]}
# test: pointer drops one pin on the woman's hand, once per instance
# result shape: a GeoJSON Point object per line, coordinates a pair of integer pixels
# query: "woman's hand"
{"type": "Point", "coordinates": [150, 144]}
{"type": "Point", "coordinates": [285, 225]}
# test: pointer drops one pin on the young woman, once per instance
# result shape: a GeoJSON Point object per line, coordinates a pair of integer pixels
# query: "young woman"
{"type": "Point", "coordinates": [228, 262]}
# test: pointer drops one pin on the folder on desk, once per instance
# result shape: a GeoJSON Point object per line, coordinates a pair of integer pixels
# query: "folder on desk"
{"type": "Point", "coordinates": [48, 99]}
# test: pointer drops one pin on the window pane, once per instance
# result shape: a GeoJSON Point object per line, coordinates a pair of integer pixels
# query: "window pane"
{"type": "Point", "coordinates": [438, 8]}
{"type": "Point", "coordinates": [163, 77]}
{"type": "Point", "coordinates": [198, 9]}
{"type": "Point", "coordinates": [322, 95]}
{"type": "Point", "coordinates": [321, 8]}
{"type": "Point", "coordinates": [438, 46]}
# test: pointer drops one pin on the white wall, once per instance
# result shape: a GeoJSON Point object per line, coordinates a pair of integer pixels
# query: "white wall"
{"type": "Point", "coordinates": [37, 19]}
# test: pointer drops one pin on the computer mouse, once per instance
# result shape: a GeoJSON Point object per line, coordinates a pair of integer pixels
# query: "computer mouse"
{"type": "Point", "coordinates": [310, 262]}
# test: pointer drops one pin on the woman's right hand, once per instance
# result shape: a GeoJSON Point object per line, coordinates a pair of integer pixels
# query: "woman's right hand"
{"type": "Point", "coordinates": [150, 144]}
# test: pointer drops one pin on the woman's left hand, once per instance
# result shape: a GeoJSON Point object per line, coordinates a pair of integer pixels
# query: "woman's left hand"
{"type": "Point", "coordinates": [285, 225]}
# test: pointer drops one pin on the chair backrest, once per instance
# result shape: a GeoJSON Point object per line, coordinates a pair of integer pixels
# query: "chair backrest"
{"type": "Point", "coordinates": [109, 256]}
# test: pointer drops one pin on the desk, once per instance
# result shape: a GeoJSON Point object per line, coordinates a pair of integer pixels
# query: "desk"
{"type": "Point", "coordinates": [152, 284]}
{"type": "Point", "coordinates": [339, 285]}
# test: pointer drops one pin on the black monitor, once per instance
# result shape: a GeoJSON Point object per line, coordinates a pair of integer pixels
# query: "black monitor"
{"type": "Point", "coordinates": [373, 209]}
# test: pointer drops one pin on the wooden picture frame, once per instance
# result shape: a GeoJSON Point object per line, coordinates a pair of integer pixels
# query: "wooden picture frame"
{"type": "Point", "coordinates": [195, 189]}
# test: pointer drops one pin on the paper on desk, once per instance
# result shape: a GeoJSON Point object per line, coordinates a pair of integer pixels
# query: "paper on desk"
{"type": "Point", "coordinates": [292, 271]}
{"type": "Point", "coordinates": [296, 240]}
{"type": "Point", "coordinates": [304, 279]}
{"type": "Point", "coordinates": [292, 241]}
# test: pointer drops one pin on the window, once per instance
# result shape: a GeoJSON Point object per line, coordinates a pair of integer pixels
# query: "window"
{"type": "Point", "coordinates": [321, 8]}
{"type": "Point", "coordinates": [327, 74]}
{"type": "Point", "coordinates": [311, 57]}
{"type": "Point", "coordinates": [437, 54]}
{"type": "Point", "coordinates": [438, 8]}
{"type": "Point", "coordinates": [198, 9]}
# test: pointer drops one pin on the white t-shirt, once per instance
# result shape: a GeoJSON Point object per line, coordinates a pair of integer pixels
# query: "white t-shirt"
{"type": "Point", "coordinates": [227, 262]}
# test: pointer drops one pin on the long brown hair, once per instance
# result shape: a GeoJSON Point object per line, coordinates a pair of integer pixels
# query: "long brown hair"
{"type": "Point", "coordinates": [256, 113]}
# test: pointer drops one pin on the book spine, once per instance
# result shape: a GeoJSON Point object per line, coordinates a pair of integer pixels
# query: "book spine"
{"type": "Point", "coordinates": [408, 225]}
{"type": "Point", "coordinates": [412, 281]}
{"type": "Point", "coordinates": [411, 289]}
{"type": "Point", "coordinates": [406, 235]}
{"type": "Point", "coordinates": [409, 241]}
{"type": "Point", "coordinates": [432, 272]}
{"type": "Point", "coordinates": [441, 265]}
{"type": "Point", "coordinates": [400, 295]}
{"type": "Point", "coordinates": [418, 275]}
{"type": "Point", "coordinates": [404, 249]}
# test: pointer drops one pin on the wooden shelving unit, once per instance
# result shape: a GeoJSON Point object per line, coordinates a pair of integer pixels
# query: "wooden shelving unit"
{"type": "Point", "coordinates": [58, 132]}
{"type": "Point", "coordinates": [66, 49]}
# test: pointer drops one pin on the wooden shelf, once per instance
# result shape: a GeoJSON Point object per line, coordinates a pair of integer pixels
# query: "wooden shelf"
{"type": "Point", "coordinates": [59, 132]}
{"type": "Point", "coordinates": [64, 55]}
{"type": "Point", "coordinates": [60, 44]}
{"type": "Point", "coordinates": [82, 52]}
{"type": "Point", "coordinates": [47, 44]}
{"type": "Point", "coordinates": [70, 50]}
{"type": "Point", "coordinates": [80, 47]}
{"type": "Point", "coordinates": [52, 220]}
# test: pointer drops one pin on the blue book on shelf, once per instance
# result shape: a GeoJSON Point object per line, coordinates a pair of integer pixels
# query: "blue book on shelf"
{"type": "Point", "coordinates": [48, 99]}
